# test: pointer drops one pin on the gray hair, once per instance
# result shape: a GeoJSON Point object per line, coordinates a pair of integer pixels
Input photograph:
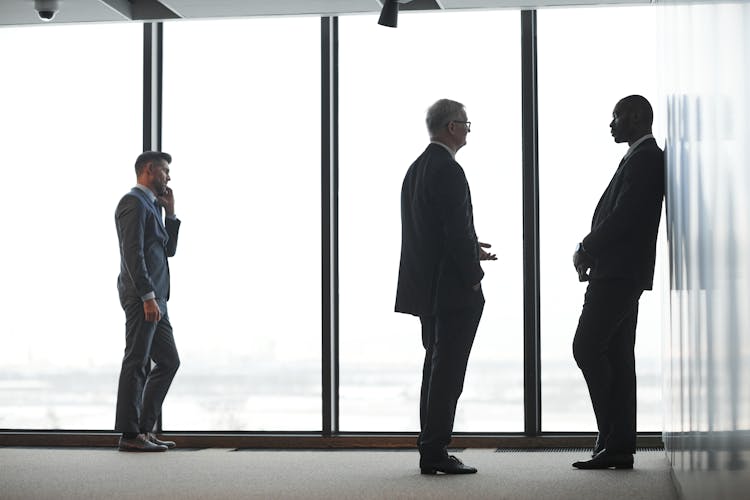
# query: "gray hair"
{"type": "Point", "coordinates": [441, 113]}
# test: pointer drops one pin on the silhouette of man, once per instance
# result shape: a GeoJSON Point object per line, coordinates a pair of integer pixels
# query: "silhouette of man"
{"type": "Point", "coordinates": [439, 278]}
{"type": "Point", "coordinates": [617, 259]}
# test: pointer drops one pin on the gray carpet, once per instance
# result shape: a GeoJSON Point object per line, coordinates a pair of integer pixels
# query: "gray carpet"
{"type": "Point", "coordinates": [62, 473]}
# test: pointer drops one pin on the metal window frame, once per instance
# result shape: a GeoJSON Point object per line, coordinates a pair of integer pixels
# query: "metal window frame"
{"type": "Point", "coordinates": [153, 79]}
{"type": "Point", "coordinates": [530, 175]}
{"type": "Point", "coordinates": [329, 179]}
{"type": "Point", "coordinates": [330, 435]}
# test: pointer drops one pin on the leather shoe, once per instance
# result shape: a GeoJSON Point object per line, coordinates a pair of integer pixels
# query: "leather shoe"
{"type": "Point", "coordinates": [607, 460]}
{"type": "Point", "coordinates": [139, 443]}
{"type": "Point", "coordinates": [448, 465]}
{"type": "Point", "coordinates": [152, 437]}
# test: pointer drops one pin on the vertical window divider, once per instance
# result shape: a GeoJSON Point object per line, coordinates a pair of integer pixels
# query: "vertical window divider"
{"type": "Point", "coordinates": [153, 65]}
{"type": "Point", "coordinates": [530, 165]}
{"type": "Point", "coordinates": [329, 221]}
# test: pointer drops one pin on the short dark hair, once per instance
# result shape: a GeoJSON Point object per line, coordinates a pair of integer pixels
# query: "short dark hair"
{"type": "Point", "coordinates": [149, 156]}
{"type": "Point", "coordinates": [639, 104]}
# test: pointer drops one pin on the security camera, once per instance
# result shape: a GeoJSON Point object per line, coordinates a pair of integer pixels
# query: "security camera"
{"type": "Point", "coordinates": [46, 9]}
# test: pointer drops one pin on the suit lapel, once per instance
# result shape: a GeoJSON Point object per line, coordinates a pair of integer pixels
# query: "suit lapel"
{"type": "Point", "coordinates": [614, 183]}
{"type": "Point", "coordinates": [152, 207]}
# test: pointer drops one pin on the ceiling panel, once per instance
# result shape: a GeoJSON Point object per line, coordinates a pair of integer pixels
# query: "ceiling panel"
{"type": "Point", "coordinates": [13, 12]}
{"type": "Point", "coordinates": [515, 4]}
{"type": "Point", "coordinates": [71, 11]}
{"type": "Point", "coordinates": [231, 8]}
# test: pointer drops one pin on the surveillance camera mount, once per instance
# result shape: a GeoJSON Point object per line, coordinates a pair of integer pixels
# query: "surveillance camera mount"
{"type": "Point", "coordinates": [46, 9]}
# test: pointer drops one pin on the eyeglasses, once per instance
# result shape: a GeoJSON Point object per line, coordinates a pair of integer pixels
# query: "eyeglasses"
{"type": "Point", "coordinates": [468, 124]}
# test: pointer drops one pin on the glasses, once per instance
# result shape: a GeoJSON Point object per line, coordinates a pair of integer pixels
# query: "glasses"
{"type": "Point", "coordinates": [468, 124]}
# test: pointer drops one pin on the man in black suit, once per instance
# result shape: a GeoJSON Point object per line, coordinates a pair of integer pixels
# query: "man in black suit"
{"type": "Point", "coordinates": [146, 240]}
{"type": "Point", "coordinates": [617, 258]}
{"type": "Point", "coordinates": [439, 278]}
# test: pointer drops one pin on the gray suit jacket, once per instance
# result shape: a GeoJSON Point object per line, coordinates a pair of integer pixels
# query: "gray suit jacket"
{"type": "Point", "coordinates": [145, 244]}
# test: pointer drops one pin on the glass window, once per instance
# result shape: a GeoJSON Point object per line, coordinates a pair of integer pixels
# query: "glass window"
{"type": "Point", "coordinates": [580, 81]}
{"type": "Point", "coordinates": [388, 79]}
{"type": "Point", "coordinates": [242, 121]}
{"type": "Point", "coordinates": [71, 130]}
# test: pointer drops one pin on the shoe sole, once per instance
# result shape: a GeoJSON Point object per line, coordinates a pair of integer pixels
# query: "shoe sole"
{"type": "Point", "coordinates": [432, 472]}
{"type": "Point", "coordinates": [623, 466]}
{"type": "Point", "coordinates": [142, 450]}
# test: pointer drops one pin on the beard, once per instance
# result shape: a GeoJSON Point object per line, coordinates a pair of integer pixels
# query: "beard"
{"type": "Point", "coordinates": [161, 189]}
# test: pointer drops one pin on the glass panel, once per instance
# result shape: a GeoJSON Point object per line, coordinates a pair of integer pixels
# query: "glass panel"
{"type": "Point", "coordinates": [71, 130]}
{"type": "Point", "coordinates": [580, 81]}
{"type": "Point", "coordinates": [388, 79]}
{"type": "Point", "coordinates": [244, 134]}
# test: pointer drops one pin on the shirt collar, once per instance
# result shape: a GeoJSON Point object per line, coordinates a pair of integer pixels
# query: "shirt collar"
{"type": "Point", "coordinates": [637, 143]}
{"type": "Point", "coordinates": [453, 154]}
{"type": "Point", "coordinates": [149, 193]}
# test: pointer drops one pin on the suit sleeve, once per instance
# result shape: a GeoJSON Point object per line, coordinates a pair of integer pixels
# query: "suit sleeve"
{"type": "Point", "coordinates": [640, 184]}
{"type": "Point", "coordinates": [173, 230]}
{"type": "Point", "coordinates": [454, 202]}
{"type": "Point", "coordinates": [131, 223]}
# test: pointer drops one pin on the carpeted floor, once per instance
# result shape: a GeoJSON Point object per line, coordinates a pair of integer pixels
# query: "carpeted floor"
{"type": "Point", "coordinates": [63, 473]}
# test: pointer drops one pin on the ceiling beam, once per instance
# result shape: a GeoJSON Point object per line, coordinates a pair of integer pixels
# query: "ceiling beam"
{"type": "Point", "coordinates": [122, 7]}
{"type": "Point", "coordinates": [141, 10]}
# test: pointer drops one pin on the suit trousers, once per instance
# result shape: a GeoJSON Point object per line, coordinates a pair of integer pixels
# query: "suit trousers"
{"type": "Point", "coordinates": [447, 338]}
{"type": "Point", "coordinates": [141, 391]}
{"type": "Point", "coordinates": [603, 348]}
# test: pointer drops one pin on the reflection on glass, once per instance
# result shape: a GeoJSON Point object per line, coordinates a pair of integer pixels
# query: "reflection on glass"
{"type": "Point", "coordinates": [245, 306]}
{"type": "Point", "coordinates": [707, 418]}
{"type": "Point", "coordinates": [71, 130]}
{"type": "Point", "coordinates": [580, 81]}
{"type": "Point", "coordinates": [388, 78]}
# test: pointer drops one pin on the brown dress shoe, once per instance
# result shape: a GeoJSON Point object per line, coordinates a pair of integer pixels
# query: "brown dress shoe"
{"type": "Point", "coordinates": [139, 443]}
{"type": "Point", "coordinates": [152, 437]}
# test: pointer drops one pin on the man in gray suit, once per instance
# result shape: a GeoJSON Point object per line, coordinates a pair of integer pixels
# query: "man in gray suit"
{"type": "Point", "coordinates": [146, 240]}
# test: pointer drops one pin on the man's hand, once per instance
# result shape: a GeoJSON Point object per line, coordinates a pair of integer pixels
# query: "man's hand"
{"type": "Point", "coordinates": [582, 262]}
{"type": "Point", "coordinates": [151, 311]}
{"type": "Point", "coordinates": [486, 255]}
{"type": "Point", "coordinates": [167, 201]}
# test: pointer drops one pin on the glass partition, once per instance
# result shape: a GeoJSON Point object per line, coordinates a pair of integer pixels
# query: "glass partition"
{"type": "Point", "coordinates": [580, 81]}
{"type": "Point", "coordinates": [244, 132]}
{"type": "Point", "coordinates": [388, 79]}
{"type": "Point", "coordinates": [70, 130]}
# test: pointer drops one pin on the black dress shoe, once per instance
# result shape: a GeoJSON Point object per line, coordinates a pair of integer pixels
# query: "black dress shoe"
{"type": "Point", "coordinates": [139, 443]}
{"type": "Point", "coordinates": [607, 460]}
{"type": "Point", "coordinates": [152, 437]}
{"type": "Point", "coordinates": [448, 465]}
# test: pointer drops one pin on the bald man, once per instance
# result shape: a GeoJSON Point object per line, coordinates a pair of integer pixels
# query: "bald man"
{"type": "Point", "coordinates": [617, 259]}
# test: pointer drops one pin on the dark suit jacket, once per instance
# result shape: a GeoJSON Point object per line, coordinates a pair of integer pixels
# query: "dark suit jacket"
{"type": "Point", "coordinates": [626, 221]}
{"type": "Point", "coordinates": [145, 244]}
{"type": "Point", "coordinates": [439, 248]}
